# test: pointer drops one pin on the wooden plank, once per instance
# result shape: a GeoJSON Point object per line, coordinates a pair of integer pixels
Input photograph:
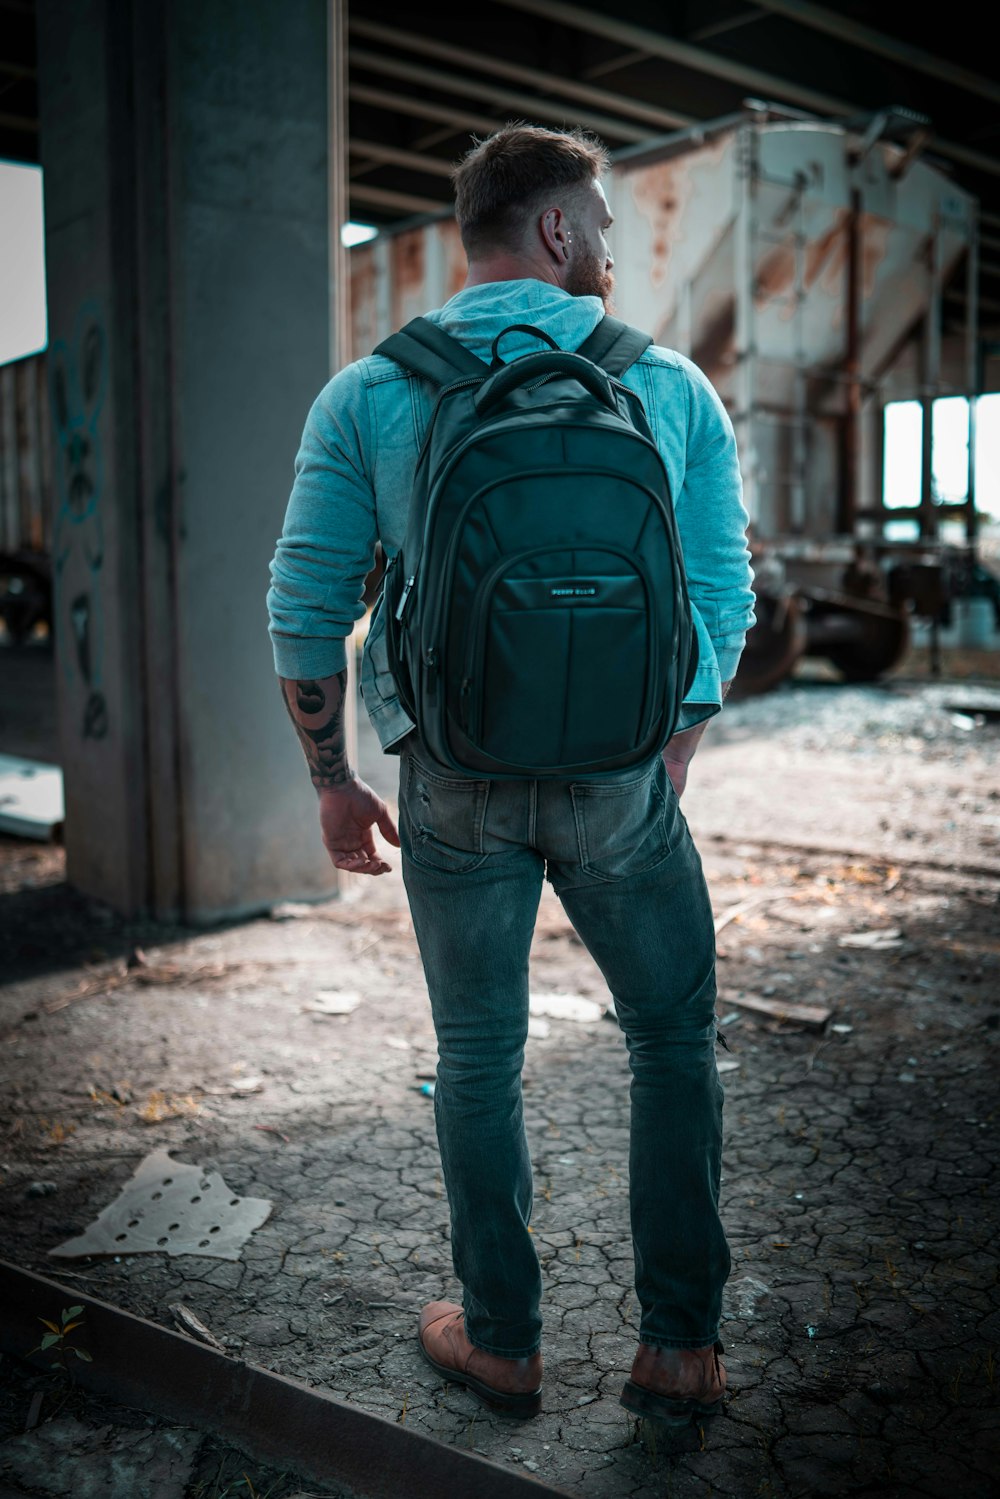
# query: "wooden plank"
{"type": "Point", "coordinates": [813, 1017]}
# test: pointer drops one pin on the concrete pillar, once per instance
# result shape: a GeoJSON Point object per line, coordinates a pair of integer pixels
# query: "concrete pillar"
{"type": "Point", "coordinates": [184, 145]}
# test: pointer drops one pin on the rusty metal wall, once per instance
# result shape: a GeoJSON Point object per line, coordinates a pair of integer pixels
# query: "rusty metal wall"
{"type": "Point", "coordinates": [25, 457]}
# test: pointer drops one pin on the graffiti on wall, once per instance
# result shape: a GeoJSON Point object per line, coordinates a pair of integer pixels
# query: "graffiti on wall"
{"type": "Point", "coordinates": [78, 377]}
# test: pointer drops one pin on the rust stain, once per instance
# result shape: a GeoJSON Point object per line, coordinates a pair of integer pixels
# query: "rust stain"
{"type": "Point", "coordinates": [827, 255]}
{"type": "Point", "coordinates": [874, 249]}
{"type": "Point", "coordinates": [455, 261]}
{"type": "Point", "coordinates": [660, 193]}
{"type": "Point", "coordinates": [361, 263]}
{"type": "Point", "coordinates": [407, 261]}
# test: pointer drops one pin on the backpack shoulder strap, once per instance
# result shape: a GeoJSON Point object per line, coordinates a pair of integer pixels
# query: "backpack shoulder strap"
{"type": "Point", "coordinates": [614, 345]}
{"type": "Point", "coordinates": [425, 349]}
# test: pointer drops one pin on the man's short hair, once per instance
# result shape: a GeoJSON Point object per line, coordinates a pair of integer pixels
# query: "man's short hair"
{"type": "Point", "coordinates": [511, 172]}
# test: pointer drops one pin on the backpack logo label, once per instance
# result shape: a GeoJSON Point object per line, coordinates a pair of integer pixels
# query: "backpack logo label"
{"type": "Point", "coordinates": [573, 591]}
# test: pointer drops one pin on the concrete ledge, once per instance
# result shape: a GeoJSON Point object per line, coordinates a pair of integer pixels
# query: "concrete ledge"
{"type": "Point", "coordinates": [274, 1419]}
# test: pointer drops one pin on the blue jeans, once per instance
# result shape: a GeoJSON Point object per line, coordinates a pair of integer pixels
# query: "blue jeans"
{"type": "Point", "coordinates": [621, 859]}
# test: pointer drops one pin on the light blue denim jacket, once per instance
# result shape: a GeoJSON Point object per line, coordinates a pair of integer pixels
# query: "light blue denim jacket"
{"type": "Point", "coordinates": [354, 473]}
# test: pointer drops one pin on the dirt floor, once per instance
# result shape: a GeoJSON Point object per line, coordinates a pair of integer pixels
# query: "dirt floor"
{"type": "Point", "coordinates": [851, 837]}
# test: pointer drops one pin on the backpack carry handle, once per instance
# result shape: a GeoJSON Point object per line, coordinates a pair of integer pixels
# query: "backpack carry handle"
{"type": "Point", "coordinates": [536, 367]}
{"type": "Point", "coordinates": [496, 363]}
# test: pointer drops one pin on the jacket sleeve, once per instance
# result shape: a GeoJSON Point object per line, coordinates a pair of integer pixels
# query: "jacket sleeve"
{"type": "Point", "coordinates": [713, 522]}
{"type": "Point", "coordinates": [327, 546]}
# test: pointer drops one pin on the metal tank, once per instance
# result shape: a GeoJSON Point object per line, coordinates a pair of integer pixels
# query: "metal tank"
{"type": "Point", "coordinates": [807, 266]}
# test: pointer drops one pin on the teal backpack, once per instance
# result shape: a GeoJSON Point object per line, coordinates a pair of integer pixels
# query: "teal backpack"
{"type": "Point", "coordinates": [537, 615]}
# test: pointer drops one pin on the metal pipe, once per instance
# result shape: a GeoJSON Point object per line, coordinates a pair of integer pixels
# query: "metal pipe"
{"type": "Point", "coordinates": [800, 440]}
{"type": "Point", "coordinates": [844, 28]}
{"type": "Point", "coordinates": [852, 366]}
{"type": "Point", "coordinates": [972, 373]}
{"type": "Point", "coordinates": [524, 103]}
{"type": "Point", "coordinates": [929, 386]}
{"type": "Point", "coordinates": [421, 109]}
{"type": "Point", "coordinates": [744, 325]}
{"type": "Point", "coordinates": [649, 114]}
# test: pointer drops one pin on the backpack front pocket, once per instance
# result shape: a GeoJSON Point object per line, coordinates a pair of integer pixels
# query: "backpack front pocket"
{"type": "Point", "coordinates": [559, 654]}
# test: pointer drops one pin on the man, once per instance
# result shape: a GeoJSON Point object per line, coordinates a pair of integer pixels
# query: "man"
{"type": "Point", "coordinates": [534, 222]}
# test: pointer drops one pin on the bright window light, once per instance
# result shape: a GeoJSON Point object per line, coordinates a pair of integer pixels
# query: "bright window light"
{"type": "Point", "coordinates": [949, 458]}
{"type": "Point", "coordinates": [988, 455]}
{"type": "Point", "coordinates": [23, 317]}
{"type": "Point", "coordinates": [357, 234]}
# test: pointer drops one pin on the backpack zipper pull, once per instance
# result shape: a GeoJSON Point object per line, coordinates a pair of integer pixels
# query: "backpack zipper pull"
{"type": "Point", "coordinates": [401, 606]}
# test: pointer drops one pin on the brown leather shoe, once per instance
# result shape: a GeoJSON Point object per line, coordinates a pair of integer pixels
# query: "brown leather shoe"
{"type": "Point", "coordinates": [673, 1385]}
{"type": "Point", "coordinates": [513, 1385]}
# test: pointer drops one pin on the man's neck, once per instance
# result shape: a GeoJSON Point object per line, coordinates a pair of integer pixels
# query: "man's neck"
{"type": "Point", "coordinates": [510, 268]}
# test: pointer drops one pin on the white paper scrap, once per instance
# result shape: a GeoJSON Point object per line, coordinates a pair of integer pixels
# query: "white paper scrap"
{"type": "Point", "coordinates": [334, 1002]}
{"type": "Point", "coordinates": [566, 1007]}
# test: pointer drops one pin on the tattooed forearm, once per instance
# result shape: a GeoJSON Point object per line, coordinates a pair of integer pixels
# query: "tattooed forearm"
{"type": "Point", "coordinates": [317, 711]}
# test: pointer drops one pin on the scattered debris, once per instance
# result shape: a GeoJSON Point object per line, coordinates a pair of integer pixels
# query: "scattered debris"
{"type": "Point", "coordinates": [428, 1089]}
{"type": "Point", "coordinates": [188, 1322]}
{"type": "Point", "coordinates": [874, 940]}
{"type": "Point", "coordinates": [841, 1029]}
{"type": "Point", "coordinates": [291, 910]}
{"type": "Point", "coordinates": [566, 1007]}
{"type": "Point", "coordinates": [160, 1106]}
{"type": "Point", "coordinates": [241, 1085]}
{"type": "Point", "coordinates": [333, 1002]}
{"type": "Point", "coordinates": [34, 1410]}
{"type": "Point", "coordinates": [397, 1043]}
{"type": "Point", "coordinates": [727, 1064]}
{"type": "Point", "coordinates": [813, 1017]}
{"type": "Point", "coordinates": [751, 903]}
{"type": "Point", "coordinates": [40, 1189]}
{"type": "Point", "coordinates": [172, 1208]}
{"type": "Point", "coordinates": [272, 1129]}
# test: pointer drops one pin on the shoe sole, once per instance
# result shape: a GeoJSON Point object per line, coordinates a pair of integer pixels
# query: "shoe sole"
{"type": "Point", "coordinates": [662, 1408]}
{"type": "Point", "coordinates": [520, 1406]}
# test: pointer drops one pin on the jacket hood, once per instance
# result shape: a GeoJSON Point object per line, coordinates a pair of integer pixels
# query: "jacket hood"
{"type": "Point", "coordinates": [476, 315]}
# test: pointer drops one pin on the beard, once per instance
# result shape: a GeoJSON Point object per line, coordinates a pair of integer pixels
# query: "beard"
{"type": "Point", "coordinates": [588, 278]}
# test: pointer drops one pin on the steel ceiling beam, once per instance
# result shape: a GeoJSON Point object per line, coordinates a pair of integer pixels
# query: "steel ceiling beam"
{"type": "Point", "coordinates": [649, 114]}
{"type": "Point", "coordinates": [526, 104]}
{"type": "Point", "coordinates": [388, 197]}
{"type": "Point", "coordinates": [435, 166]}
{"type": "Point", "coordinates": [421, 109]}
{"type": "Point", "coordinates": [657, 44]}
{"type": "Point", "coordinates": [845, 29]}
{"type": "Point", "coordinates": [702, 61]}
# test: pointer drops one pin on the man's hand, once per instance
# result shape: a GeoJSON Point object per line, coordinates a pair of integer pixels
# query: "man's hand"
{"type": "Point", "coordinates": [678, 751]}
{"type": "Point", "coordinates": [348, 809]}
{"type": "Point", "coordinates": [677, 756]}
{"type": "Point", "coordinates": [347, 814]}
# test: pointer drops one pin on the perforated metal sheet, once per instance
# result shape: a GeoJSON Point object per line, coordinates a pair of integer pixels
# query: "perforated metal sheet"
{"type": "Point", "coordinates": [171, 1208]}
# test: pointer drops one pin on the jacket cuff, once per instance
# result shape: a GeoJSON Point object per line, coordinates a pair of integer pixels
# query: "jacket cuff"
{"type": "Point", "coordinates": [308, 659]}
{"type": "Point", "coordinates": [728, 653]}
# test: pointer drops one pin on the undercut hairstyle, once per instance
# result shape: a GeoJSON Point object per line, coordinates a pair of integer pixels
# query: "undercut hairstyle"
{"type": "Point", "coordinates": [510, 174]}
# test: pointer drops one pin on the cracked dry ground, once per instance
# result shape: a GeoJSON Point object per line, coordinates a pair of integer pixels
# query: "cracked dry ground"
{"type": "Point", "coordinates": [862, 1317]}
